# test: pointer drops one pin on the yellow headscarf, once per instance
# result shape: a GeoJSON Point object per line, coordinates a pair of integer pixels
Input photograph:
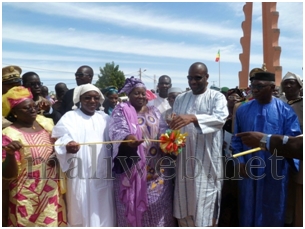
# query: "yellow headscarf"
{"type": "Point", "coordinates": [13, 97]}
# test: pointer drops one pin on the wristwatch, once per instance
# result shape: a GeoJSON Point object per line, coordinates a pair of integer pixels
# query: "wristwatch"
{"type": "Point", "coordinates": [285, 139]}
{"type": "Point", "coordinates": [263, 142]}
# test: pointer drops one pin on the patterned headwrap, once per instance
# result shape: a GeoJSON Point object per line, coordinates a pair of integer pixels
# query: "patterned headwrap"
{"type": "Point", "coordinates": [130, 84]}
{"type": "Point", "coordinates": [13, 97]}
{"type": "Point", "coordinates": [82, 89]}
{"type": "Point", "coordinates": [110, 90]}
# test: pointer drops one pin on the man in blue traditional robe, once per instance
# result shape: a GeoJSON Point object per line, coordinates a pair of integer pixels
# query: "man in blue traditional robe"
{"type": "Point", "coordinates": [264, 178]}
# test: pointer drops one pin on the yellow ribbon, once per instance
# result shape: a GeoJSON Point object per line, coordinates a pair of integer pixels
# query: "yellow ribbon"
{"type": "Point", "coordinates": [86, 143]}
{"type": "Point", "coordinates": [247, 152]}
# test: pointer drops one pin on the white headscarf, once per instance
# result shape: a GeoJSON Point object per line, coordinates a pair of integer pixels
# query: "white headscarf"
{"type": "Point", "coordinates": [82, 89]}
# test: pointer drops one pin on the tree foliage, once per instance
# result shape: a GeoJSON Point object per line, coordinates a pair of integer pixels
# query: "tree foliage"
{"type": "Point", "coordinates": [110, 75]}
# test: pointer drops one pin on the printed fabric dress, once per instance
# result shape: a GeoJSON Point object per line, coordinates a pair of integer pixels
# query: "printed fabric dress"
{"type": "Point", "coordinates": [159, 212]}
{"type": "Point", "coordinates": [35, 198]}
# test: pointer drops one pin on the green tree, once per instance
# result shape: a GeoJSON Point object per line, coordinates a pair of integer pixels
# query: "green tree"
{"type": "Point", "coordinates": [110, 76]}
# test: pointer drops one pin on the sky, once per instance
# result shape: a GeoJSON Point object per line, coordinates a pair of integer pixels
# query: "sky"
{"type": "Point", "coordinates": [154, 38]}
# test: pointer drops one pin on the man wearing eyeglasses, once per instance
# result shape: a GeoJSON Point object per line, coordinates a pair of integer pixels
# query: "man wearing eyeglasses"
{"type": "Point", "coordinates": [83, 75]}
{"type": "Point", "coordinates": [32, 81]}
{"type": "Point", "coordinates": [263, 181]}
{"type": "Point", "coordinates": [200, 112]}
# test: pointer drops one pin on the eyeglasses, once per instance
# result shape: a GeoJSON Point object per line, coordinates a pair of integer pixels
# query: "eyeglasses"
{"type": "Point", "coordinates": [80, 75]}
{"type": "Point", "coordinates": [259, 86]}
{"type": "Point", "coordinates": [33, 84]}
{"type": "Point", "coordinates": [196, 78]}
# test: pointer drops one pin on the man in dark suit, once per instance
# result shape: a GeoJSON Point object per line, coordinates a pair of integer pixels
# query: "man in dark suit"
{"type": "Point", "coordinates": [83, 75]}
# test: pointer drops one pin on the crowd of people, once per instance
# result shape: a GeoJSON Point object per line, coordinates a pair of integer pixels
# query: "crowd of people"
{"type": "Point", "coordinates": [87, 159]}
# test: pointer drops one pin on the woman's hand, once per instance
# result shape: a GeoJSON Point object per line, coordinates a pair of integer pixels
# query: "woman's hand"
{"type": "Point", "coordinates": [12, 147]}
{"type": "Point", "coordinates": [9, 165]}
{"type": "Point", "coordinates": [72, 147]}
{"type": "Point", "coordinates": [135, 142]}
{"type": "Point", "coordinates": [52, 160]}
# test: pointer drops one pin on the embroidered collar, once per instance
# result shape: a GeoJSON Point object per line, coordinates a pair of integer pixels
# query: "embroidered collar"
{"type": "Point", "coordinates": [290, 102]}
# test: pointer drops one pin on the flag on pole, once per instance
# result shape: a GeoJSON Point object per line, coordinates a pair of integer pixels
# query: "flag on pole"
{"type": "Point", "coordinates": [218, 56]}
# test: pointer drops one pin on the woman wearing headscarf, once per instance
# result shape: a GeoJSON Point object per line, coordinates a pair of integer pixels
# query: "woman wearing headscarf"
{"type": "Point", "coordinates": [143, 189]}
{"type": "Point", "coordinates": [35, 190]}
{"type": "Point", "coordinates": [111, 100]}
{"type": "Point", "coordinates": [90, 200]}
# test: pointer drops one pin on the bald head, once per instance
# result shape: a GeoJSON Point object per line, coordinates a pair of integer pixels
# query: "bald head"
{"type": "Point", "coordinates": [199, 65]}
{"type": "Point", "coordinates": [87, 69]}
{"type": "Point", "coordinates": [164, 78]}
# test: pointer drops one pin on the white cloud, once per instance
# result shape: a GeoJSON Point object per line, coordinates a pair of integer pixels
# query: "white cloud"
{"type": "Point", "coordinates": [291, 16]}
{"type": "Point", "coordinates": [126, 16]}
{"type": "Point", "coordinates": [112, 43]}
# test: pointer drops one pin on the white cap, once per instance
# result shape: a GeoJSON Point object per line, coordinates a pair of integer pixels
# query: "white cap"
{"type": "Point", "coordinates": [174, 89]}
{"type": "Point", "coordinates": [290, 75]}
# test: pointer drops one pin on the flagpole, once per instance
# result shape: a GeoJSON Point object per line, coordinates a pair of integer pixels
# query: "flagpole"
{"type": "Point", "coordinates": [219, 71]}
{"type": "Point", "coordinates": [218, 60]}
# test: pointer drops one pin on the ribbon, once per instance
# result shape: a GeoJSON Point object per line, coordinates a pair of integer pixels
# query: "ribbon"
{"type": "Point", "coordinates": [87, 143]}
{"type": "Point", "coordinates": [172, 142]}
{"type": "Point", "coordinates": [247, 152]}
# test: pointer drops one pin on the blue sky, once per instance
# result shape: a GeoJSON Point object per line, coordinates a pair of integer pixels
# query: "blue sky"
{"type": "Point", "coordinates": [54, 39]}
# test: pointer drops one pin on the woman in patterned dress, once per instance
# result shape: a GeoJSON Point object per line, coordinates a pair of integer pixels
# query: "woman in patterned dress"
{"type": "Point", "coordinates": [35, 192]}
{"type": "Point", "coordinates": [143, 188]}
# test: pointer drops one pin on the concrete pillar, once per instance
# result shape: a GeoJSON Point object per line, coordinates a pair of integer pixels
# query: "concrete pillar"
{"type": "Point", "coordinates": [271, 33]}
{"type": "Point", "coordinates": [245, 42]}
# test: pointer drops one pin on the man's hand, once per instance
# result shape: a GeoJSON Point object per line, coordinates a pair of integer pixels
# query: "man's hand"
{"type": "Point", "coordinates": [251, 138]}
{"type": "Point", "coordinates": [72, 147]}
{"type": "Point", "coordinates": [135, 142]}
{"type": "Point", "coordinates": [182, 120]}
{"type": "Point", "coordinates": [45, 105]}
{"type": "Point", "coordinates": [241, 168]}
